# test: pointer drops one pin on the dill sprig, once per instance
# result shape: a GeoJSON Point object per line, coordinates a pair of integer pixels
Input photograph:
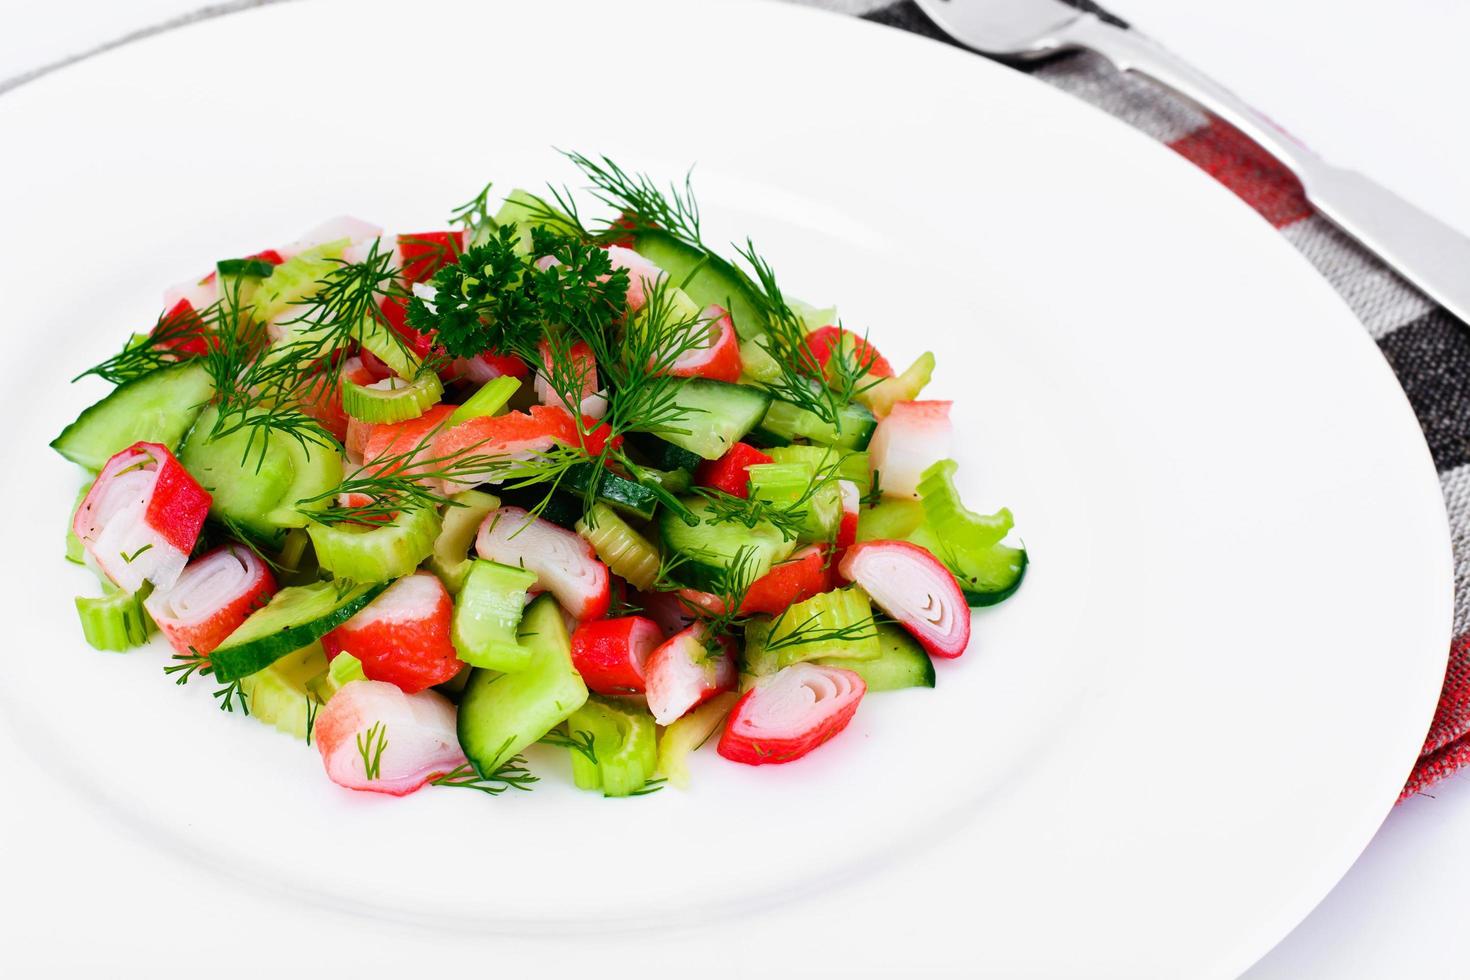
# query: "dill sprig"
{"type": "Point", "coordinates": [808, 632]}
{"type": "Point", "coordinates": [312, 707]}
{"type": "Point", "coordinates": [475, 215]}
{"type": "Point", "coordinates": [580, 741]}
{"type": "Point", "coordinates": [227, 695]}
{"type": "Point", "coordinates": [172, 339]}
{"type": "Point", "coordinates": [639, 201]}
{"type": "Point", "coordinates": [189, 664]}
{"type": "Point", "coordinates": [371, 745]}
{"type": "Point", "coordinates": [652, 786]}
{"type": "Point", "coordinates": [509, 774]}
{"type": "Point", "coordinates": [260, 385]}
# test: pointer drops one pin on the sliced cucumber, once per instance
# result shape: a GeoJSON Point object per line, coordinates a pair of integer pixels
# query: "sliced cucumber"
{"type": "Point", "coordinates": [662, 454]}
{"type": "Point", "coordinates": [707, 278]}
{"type": "Point", "coordinates": [158, 407]}
{"type": "Point", "coordinates": [709, 549]}
{"type": "Point", "coordinates": [785, 422]}
{"type": "Point", "coordinates": [633, 499]}
{"type": "Point", "coordinates": [501, 714]}
{"type": "Point", "coordinates": [526, 211]}
{"type": "Point", "coordinates": [459, 523]}
{"type": "Point", "coordinates": [624, 550]}
{"type": "Point", "coordinates": [246, 475]}
{"type": "Point", "coordinates": [893, 519]}
{"type": "Point", "coordinates": [295, 617]}
{"type": "Point", "coordinates": [379, 553]}
{"type": "Point", "coordinates": [900, 663]}
{"type": "Point", "coordinates": [487, 614]}
{"type": "Point", "coordinates": [238, 280]}
{"type": "Point", "coordinates": [297, 278]}
{"type": "Point", "coordinates": [719, 415]}
{"type": "Point", "coordinates": [562, 509]}
{"type": "Point", "coordinates": [315, 470]}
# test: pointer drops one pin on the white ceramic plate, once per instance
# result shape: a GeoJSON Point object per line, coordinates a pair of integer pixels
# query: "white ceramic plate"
{"type": "Point", "coordinates": [1153, 761]}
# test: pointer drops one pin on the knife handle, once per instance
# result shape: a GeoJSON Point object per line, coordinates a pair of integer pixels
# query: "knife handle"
{"type": "Point", "coordinates": [1424, 250]}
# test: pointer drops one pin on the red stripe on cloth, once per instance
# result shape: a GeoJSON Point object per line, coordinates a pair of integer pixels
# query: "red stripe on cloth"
{"type": "Point", "coordinates": [1452, 717]}
{"type": "Point", "coordinates": [1251, 173]}
{"type": "Point", "coordinates": [1440, 765]}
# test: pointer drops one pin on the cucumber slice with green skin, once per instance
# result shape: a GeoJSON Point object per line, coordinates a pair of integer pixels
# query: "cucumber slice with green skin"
{"type": "Point", "coordinates": [315, 470]}
{"type": "Point", "coordinates": [246, 476]}
{"type": "Point", "coordinates": [633, 499]}
{"type": "Point", "coordinates": [378, 553]}
{"type": "Point", "coordinates": [158, 407]}
{"type": "Point", "coordinates": [710, 549]}
{"type": "Point", "coordinates": [281, 695]}
{"type": "Point", "coordinates": [893, 519]}
{"type": "Point", "coordinates": [661, 454]}
{"type": "Point", "coordinates": [487, 615]}
{"type": "Point", "coordinates": [785, 423]}
{"type": "Point", "coordinates": [458, 526]}
{"type": "Point", "coordinates": [624, 741]}
{"type": "Point", "coordinates": [563, 510]}
{"type": "Point", "coordinates": [900, 663]}
{"type": "Point", "coordinates": [295, 617]}
{"type": "Point", "coordinates": [708, 279]}
{"type": "Point", "coordinates": [526, 211]}
{"type": "Point", "coordinates": [238, 280]}
{"type": "Point", "coordinates": [501, 714]}
{"type": "Point", "coordinates": [719, 415]}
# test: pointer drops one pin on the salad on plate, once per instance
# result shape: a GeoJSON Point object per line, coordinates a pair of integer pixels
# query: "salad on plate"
{"type": "Point", "coordinates": [423, 500]}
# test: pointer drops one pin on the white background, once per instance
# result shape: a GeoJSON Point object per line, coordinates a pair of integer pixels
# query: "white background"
{"type": "Point", "coordinates": [1373, 88]}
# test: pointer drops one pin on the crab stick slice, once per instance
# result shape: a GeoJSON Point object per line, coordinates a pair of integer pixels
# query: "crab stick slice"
{"type": "Point", "coordinates": [564, 562]}
{"type": "Point", "coordinates": [141, 518]}
{"type": "Point", "coordinates": [403, 636]}
{"type": "Point", "coordinates": [796, 710]}
{"type": "Point", "coordinates": [376, 738]}
{"type": "Point", "coordinates": [910, 438]}
{"type": "Point", "coordinates": [912, 586]}
{"type": "Point", "coordinates": [684, 672]}
{"type": "Point", "coordinates": [214, 595]}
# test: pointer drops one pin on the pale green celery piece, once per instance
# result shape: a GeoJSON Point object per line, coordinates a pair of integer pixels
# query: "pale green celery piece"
{"type": "Point", "coordinates": [487, 615]}
{"type": "Point", "coordinates": [831, 624]}
{"type": "Point", "coordinates": [343, 670]}
{"type": "Point", "coordinates": [904, 387]}
{"type": "Point", "coordinates": [756, 361]}
{"type": "Point", "coordinates": [491, 399]}
{"type": "Point", "coordinates": [624, 742]}
{"type": "Point", "coordinates": [527, 210]}
{"type": "Point", "coordinates": [281, 695]}
{"type": "Point", "coordinates": [461, 521]}
{"type": "Point", "coordinates": [812, 317]}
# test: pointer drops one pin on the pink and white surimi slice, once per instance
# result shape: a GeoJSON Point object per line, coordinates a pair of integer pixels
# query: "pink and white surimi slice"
{"type": "Point", "coordinates": [683, 673]}
{"type": "Point", "coordinates": [913, 587]}
{"type": "Point", "coordinates": [913, 436]}
{"type": "Point", "coordinates": [642, 274]}
{"type": "Point", "coordinates": [593, 402]}
{"type": "Point", "coordinates": [200, 293]}
{"type": "Point", "coordinates": [564, 562]}
{"type": "Point", "coordinates": [415, 732]}
{"type": "Point", "coordinates": [213, 596]}
{"type": "Point", "coordinates": [359, 250]}
{"type": "Point", "coordinates": [355, 230]}
{"type": "Point", "coordinates": [141, 518]}
{"type": "Point", "coordinates": [790, 713]}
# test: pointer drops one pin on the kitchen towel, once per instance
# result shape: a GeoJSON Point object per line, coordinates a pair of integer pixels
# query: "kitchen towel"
{"type": "Point", "coordinates": [1428, 348]}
